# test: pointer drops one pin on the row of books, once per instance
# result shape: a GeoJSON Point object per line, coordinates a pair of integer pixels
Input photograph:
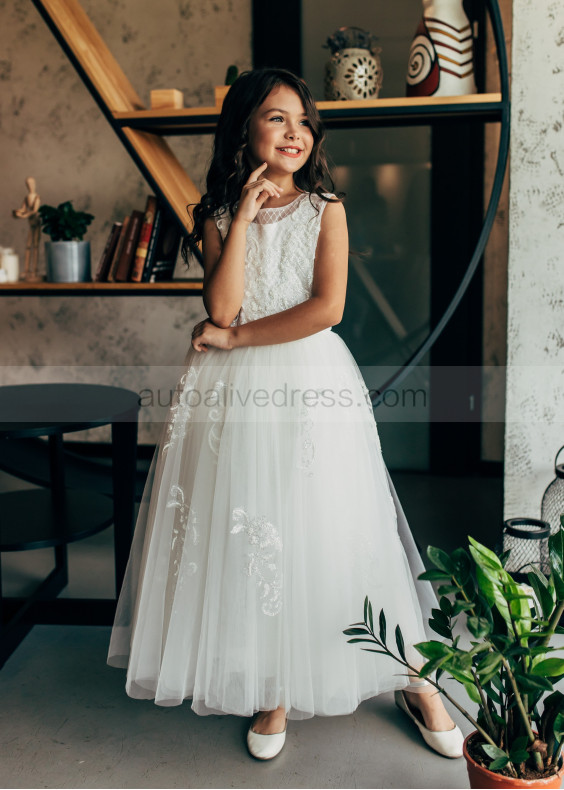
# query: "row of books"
{"type": "Point", "coordinates": [141, 248]}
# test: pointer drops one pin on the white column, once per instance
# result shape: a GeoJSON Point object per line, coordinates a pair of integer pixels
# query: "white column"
{"type": "Point", "coordinates": [535, 354]}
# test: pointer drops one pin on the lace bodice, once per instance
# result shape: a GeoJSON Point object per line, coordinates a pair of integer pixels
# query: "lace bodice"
{"type": "Point", "coordinates": [280, 254]}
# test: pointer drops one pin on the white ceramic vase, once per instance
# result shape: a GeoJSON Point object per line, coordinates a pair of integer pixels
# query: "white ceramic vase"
{"type": "Point", "coordinates": [441, 57]}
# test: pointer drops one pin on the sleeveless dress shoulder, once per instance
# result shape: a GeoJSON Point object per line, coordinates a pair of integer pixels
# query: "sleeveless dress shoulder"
{"type": "Point", "coordinates": [267, 516]}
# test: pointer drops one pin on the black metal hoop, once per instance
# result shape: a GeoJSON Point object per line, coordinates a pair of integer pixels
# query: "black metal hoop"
{"type": "Point", "coordinates": [503, 150]}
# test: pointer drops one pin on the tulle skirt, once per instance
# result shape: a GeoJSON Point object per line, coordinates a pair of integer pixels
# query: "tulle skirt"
{"type": "Point", "coordinates": [266, 520]}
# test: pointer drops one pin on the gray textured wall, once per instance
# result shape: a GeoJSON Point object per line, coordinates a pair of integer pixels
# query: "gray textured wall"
{"type": "Point", "coordinates": [51, 128]}
{"type": "Point", "coordinates": [535, 338]}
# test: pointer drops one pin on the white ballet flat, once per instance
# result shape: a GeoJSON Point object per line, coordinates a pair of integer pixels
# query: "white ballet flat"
{"type": "Point", "coordinates": [266, 746]}
{"type": "Point", "coordinates": [445, 742]}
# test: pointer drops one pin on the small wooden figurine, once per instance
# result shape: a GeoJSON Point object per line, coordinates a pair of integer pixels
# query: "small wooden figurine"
{"type": "Point", "coordinates": [30, 210]}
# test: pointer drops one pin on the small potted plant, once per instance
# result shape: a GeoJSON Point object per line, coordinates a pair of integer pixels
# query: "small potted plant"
{"type": "Point", "coordinates": [518, 736]}
{"type": "Point", "coordinates": [221, 90]}
{"type": "Point", "coordinates": [67, 255]}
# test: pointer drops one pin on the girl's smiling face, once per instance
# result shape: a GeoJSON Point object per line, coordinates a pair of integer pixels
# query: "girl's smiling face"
{"type": "Point", "coordinates": [279, 133]}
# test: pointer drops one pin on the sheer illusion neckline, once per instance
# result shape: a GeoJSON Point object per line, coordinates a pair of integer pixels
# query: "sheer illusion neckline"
{"type": "Point", "coordinates": [266, 216]}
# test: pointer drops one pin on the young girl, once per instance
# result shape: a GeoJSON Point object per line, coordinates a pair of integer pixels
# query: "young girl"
{"type": "Point", "coordinates": [268, 513]}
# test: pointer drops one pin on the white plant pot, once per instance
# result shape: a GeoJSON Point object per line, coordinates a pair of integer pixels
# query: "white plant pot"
{"type": "Point", "coordinates": [353, 73]}
{"type": "Point", "coordinates": [68, 261]}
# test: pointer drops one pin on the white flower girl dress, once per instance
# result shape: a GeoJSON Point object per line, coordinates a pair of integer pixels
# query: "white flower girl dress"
{"type": "Point", "coordinates": [267, 517]}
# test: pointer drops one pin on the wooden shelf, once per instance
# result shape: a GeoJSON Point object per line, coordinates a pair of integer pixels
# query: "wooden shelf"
{"type": "Point", "coordinates": [113, 92]}
{"type": "Point", "coordinates": [179, 287]}
{"type": "Point", "coordinates": [335, 114]}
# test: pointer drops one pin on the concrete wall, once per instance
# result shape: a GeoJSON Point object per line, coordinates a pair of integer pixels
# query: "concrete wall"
{"type": "Point", "coordinates": [535, 337]}
{"type": "Point", "coordinates": [51, 128]}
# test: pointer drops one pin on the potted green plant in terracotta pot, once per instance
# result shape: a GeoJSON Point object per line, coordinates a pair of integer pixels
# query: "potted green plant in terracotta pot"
{"type": "Point", "coordinates": [67, 254]}
{"type": "Point", "coordinates": [510, 669]}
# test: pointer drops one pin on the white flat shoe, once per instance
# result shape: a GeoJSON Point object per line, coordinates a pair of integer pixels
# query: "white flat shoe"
{"type": "Point", "coordinates": [445, 742]}
{"type": "Point", "coordinates": [266, 746]}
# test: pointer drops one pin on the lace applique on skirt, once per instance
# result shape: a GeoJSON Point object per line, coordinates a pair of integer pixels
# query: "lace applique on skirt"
{"type": "Point", "coordinates": [181, 411]}
{"type": "Point", "coordinates": [267, 543]}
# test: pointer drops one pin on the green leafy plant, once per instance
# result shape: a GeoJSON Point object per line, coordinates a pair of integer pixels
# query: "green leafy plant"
{"type": "Point", "coordinates": [64, 223]}
{"type": "Point", "coordinates": [231, 75]}
{"type": "Point", "coordinates": [507, 670]}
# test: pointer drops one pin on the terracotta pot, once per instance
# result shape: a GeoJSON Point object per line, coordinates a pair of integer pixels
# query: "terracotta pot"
{"type": "Point", "coordinates": [482, 778]}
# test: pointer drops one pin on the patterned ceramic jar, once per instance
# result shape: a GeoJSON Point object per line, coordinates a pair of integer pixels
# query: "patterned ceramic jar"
{"type": "Point", "coordinates": [353, 73]}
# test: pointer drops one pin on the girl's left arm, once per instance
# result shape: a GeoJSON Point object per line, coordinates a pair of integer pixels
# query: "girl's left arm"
{"type": "Point", "coordinates": [327, 302]}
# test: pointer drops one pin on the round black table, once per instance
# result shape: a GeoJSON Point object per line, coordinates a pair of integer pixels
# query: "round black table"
{"type": "Point", "coordinates": [37, 518]}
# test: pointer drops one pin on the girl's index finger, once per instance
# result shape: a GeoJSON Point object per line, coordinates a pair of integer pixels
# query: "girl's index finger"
{"type": "Point", "coordinates": [259, 169]}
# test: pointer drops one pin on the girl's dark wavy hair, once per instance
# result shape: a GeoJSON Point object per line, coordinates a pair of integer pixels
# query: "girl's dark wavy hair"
{"type": "Point", "coordinates": [229, 169]}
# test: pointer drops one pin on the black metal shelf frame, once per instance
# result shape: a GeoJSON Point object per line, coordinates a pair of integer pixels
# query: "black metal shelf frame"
{"type": "Point", "coordinates": [170, 288]}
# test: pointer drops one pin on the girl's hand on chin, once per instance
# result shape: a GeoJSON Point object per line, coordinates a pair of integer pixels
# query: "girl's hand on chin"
{"type": "Point", "coordinates": [206, 333]}
{"type": "Point", "coordinates": [255, 192]}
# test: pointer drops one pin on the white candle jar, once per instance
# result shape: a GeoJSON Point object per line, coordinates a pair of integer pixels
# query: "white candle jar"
{"type": "Point", "coordinates": [11, 265]}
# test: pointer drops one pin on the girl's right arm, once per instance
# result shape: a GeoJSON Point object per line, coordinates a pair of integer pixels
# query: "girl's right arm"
{"type": "Point", "coordinates": [224, 265]}
{"type": "Point", "coordinates": [224, 262]}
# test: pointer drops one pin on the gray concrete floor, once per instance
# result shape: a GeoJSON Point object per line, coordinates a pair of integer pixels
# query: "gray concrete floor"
{"type": "Point", "coordinates": [66, 721]}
